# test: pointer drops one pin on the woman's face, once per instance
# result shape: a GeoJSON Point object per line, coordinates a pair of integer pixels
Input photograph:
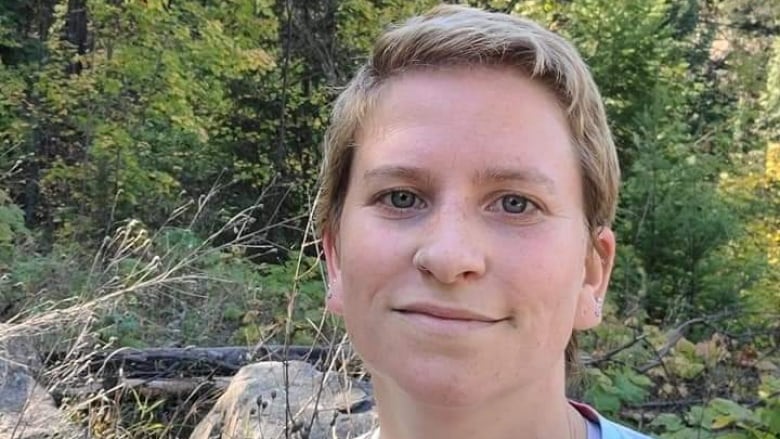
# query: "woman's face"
{"type": "Point", "coordinates": [462, 262]}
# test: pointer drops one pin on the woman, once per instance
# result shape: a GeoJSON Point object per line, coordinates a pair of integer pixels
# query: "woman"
{"type": "Point", "coordinates": [469, 184]}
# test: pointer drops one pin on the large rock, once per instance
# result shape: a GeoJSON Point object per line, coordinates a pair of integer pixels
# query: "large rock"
{"type": "Point", "coordinates": [27, 411]}
{"type": "Point", "coordinates": [321, 406]}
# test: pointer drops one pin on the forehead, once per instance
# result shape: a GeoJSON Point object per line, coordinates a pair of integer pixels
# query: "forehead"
{"type": "Point", "coordinates": [488, 116]}
{"type": "Point", "coordinates": [428, 87]}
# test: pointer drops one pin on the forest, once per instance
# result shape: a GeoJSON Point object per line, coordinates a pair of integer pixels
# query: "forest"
{"type": "Point", "coordinates": [159, 161]}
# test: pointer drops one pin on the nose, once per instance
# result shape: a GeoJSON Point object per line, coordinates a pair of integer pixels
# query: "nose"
{"type": "Point", "coordinates": [451, 250]}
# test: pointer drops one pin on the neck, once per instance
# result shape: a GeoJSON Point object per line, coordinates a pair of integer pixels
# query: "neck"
{"type": "Point", "coordinates": [538, 410]}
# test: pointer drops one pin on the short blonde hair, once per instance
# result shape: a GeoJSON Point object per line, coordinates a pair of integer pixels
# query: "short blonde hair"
{"type": "Point", "coordinates": [453, 36]}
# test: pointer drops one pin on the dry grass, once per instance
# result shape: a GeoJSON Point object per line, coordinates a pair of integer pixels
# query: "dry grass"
{"type": "Point", "coordinates": [129, 269]}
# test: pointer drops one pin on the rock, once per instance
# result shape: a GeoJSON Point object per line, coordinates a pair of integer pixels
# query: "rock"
{"type": "Point", "coordinates": [27, 411]}
{"type": "Point", "coordinates": [322, 406]}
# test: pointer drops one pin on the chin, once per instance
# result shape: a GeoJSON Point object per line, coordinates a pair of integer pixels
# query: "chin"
{"type": "Point", "coordinates": [438, 382]}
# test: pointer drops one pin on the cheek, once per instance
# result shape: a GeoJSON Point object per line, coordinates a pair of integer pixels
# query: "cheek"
{"type": "Point", "coordinates": [547, 273]}
{"type": "Point", "coordinates": [373, 257]}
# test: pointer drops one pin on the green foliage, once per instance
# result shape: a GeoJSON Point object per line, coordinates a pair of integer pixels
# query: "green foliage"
{"type": "Point", "coordinates": [231, 300]}
{"type": "Point", "coordinates": [12, 234]}
{"type": "Point", "coordinates": [671, 387]}
{"type": "Point", "coordinates": [360, 21]}
{"type": "Point", "coordinates": [34, 282]}
{"type": "Point", "coordinates": [721, 418]}
{"type": "Point", "coordinates": [680, 236]}
{"type": "Point", "coordinates": [299, 278]}
{"type": "Point", "coordinates": [770, 99]}
{"type": "Point", "coordinates": [140, 122]}
{"type": "Point", "coordinates": [11, 229]}
{"type": "Point", "coordinates": [609, 389]}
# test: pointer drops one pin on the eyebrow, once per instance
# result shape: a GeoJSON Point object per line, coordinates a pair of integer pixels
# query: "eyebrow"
{"type": "Point", "coordinates": [411, 173]}
{"type": "Point", "coordinates": [492, 175]}
{"type": "Point", "coordinates": [525, 175]}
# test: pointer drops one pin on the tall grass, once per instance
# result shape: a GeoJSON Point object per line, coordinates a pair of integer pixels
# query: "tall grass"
{"type": "Point", "coordinates": [166, 287]}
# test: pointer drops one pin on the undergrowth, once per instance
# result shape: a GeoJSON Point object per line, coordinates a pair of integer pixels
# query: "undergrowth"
{"type": "Point", "coordinates": [169, 287]}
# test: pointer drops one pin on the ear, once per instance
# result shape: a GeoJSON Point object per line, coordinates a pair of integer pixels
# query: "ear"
{"type": "Point", "coordinates": [598, 268]}
{"type": "Point", "coordinates": [334, 301]}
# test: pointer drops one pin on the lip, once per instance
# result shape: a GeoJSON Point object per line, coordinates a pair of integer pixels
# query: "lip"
{"type": "Point", "coordinates": [445, 313]}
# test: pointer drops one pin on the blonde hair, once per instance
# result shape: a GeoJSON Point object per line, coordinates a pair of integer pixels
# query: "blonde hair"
{"type": "Point", "coordinates": [458, 36]}
{"type": "Point", "coordinates": [451, 36]}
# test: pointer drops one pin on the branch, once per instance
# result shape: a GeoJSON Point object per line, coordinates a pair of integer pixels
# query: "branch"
{"type": "Point", "coordinates": [608, 356]}
{"type": "Point", "coordinates": [675, 335]}
{"type": "Point", "coordinates": [191, 361]}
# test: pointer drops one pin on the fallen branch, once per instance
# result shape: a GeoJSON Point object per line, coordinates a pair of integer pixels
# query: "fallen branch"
{"type": "Point", "coordinates": [194, 361]}
{"type": "Point", "coordinates": [163, 387]}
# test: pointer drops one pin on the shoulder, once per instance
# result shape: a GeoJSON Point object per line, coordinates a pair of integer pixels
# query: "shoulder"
{"type": "Point", "coordinates": [609, 429]}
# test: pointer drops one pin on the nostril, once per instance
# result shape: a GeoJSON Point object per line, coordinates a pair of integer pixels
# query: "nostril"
{"type": "Point", "coordinates": [417, 261]}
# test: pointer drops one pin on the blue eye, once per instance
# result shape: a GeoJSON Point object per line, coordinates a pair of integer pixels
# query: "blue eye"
{"type": "Point", "coordinates": [515, 203]}
{"type": "Point", "coordinates": [402, 199]}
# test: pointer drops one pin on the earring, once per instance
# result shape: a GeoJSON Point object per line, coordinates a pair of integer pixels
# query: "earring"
{"type": "Point", "coordinates": [599, 304]}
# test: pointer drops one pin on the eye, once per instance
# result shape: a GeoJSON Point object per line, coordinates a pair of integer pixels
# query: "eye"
{"type": "Point", "coordinates": [401, 199]}
{"type": "Point", "coordinates": [516, 204]}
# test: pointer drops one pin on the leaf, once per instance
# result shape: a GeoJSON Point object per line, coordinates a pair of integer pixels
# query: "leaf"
{"type": "Point", "coordinates": [686, 347]}
{"type": "Point", "coordinates": [770, 416]}
{"type": "Point", "coordinates": [684, 366]}
{"type": "Point", "coordinates": [668, 421]}
{"type": "Point", "coordinates": [700, 416]}
{"type": "Point", "coordinates": [722, 421]}
{"type": "Point", "coordinates": [631, 386]}
{"type": "Point", "coordinates": [766, 366]}
{"type": "Point", "coordinates": [731, 409]}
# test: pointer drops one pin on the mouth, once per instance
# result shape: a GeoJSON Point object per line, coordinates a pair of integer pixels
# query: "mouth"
{"type": "Point", "coordinates": [446, 322]}
{"type": "Point", "coordinates": [446, 314]}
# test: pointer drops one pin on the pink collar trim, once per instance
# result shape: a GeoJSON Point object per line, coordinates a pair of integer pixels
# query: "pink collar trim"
{"type": "Point", "coordinates": [585, 410]}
